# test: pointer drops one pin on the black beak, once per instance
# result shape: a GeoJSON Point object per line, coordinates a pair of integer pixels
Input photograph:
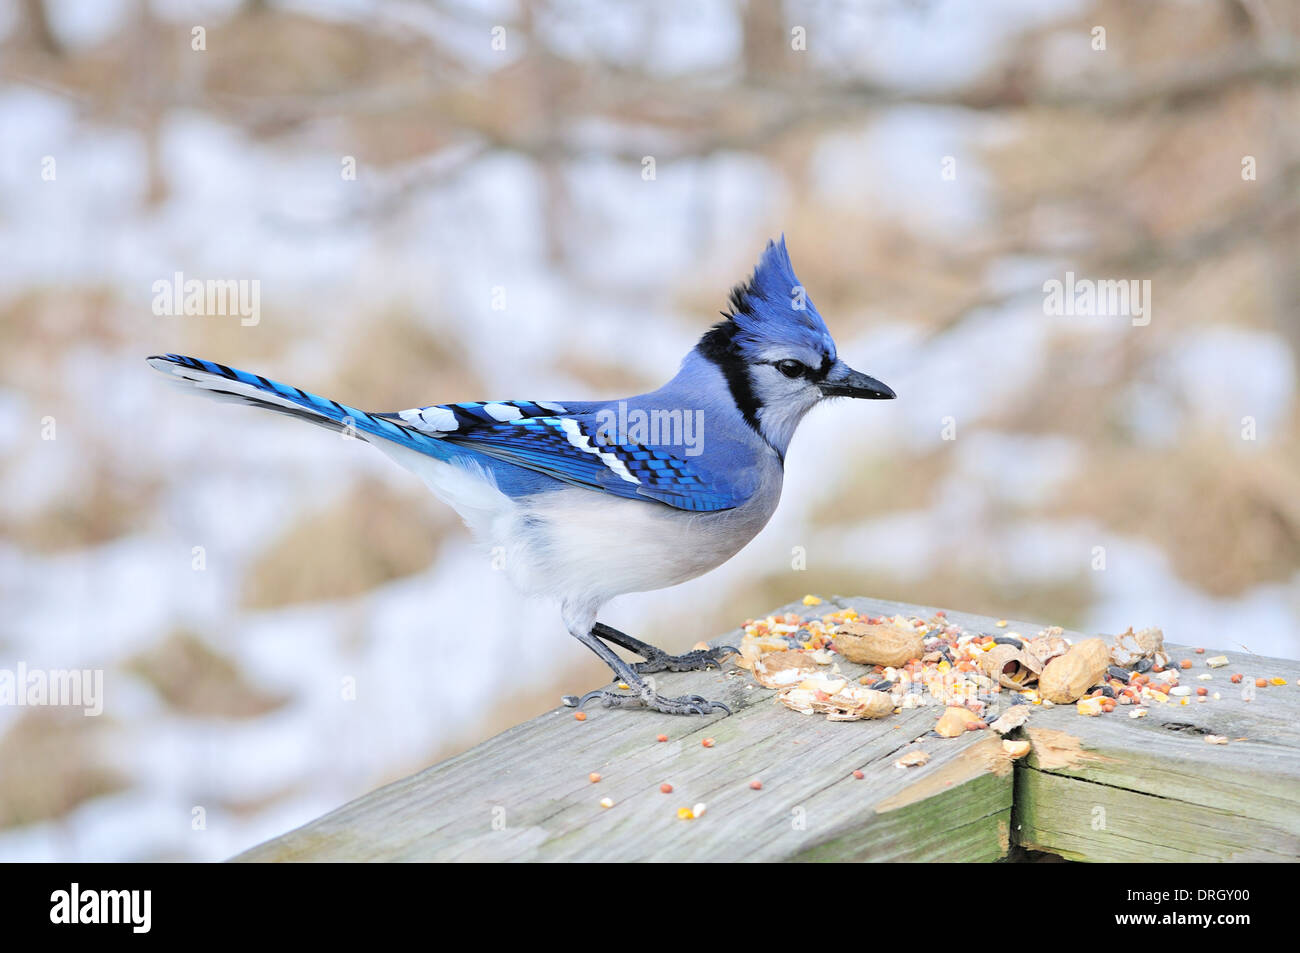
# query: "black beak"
{"type": "Point", "coordinates": [844, 381]}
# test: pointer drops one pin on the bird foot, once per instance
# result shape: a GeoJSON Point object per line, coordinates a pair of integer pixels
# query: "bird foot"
{"type": "Point", "coordinates": [685, 705]}
{"type": "Point", "coordinates": [659, 661]}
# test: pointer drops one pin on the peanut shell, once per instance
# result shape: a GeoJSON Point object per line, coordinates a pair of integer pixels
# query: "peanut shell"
{"type": "Point", "coordinates": [953, 722]}
{"type": "Point", "coordinates": [783, 669]}
{"type": "Point", "coordinates": [882, 644]}
{"type": "Point", "coordinates": [1067, 678]}
{"type": "Point", "coordinates": [1007, 664]}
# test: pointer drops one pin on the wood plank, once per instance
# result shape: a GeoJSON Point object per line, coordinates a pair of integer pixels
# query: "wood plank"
{"type": "Point", "coordinates": [1118, 788]}
{"type": "Point", "coordinates": [524, 795]}
{"type": "Point", "coordinates": [1092, 789]}
{"type": "Point", "coordinates": [1113, 788]}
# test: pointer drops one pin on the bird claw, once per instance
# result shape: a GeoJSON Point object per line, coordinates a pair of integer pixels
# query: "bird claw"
{"type": "Point", "coordinates": [685, 705]}
{"type": "Point", "coordinates": [687, 662]}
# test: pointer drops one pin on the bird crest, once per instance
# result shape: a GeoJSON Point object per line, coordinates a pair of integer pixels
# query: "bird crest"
{"type": "Point", "coordinates": [772, 307]}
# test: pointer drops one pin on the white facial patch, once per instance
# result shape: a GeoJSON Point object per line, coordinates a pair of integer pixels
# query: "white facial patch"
{"type": "Point", "coordinates": [583, 443]}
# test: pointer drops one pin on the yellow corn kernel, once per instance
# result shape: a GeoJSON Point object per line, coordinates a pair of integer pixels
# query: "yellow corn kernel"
{"type": "Point", "coordinates": [1278, 681]}
{"type": "Point", "coordinates": [1088, 706]}
{"type": "Point", "coordinates": [685, 814]}
{"type": "Point", "coordinates": [811, 600]}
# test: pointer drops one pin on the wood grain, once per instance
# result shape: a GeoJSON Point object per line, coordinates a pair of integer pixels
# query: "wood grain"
{"type": "Point", "coordinates": [1106, 788]}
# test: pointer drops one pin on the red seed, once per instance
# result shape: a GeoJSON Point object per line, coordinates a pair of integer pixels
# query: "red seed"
{"type": "Point", "coordinates": [662, 738]}
{"type": "Point", "coordinates": [1236, 679]}
{"type": "Point", "coordinates": [707, 742]}
{"type": "Point", "coordinates": [1200, 651]}
{"type": "Point", "coordinates": [1261, 683]}
{"type": "Point", "coordinates": [666, 788]}
{"type": "Point", "coordinates": [756, 785]}
{"type": "Point", "coordinates": [1185, 663]}
{"type": "Point", "coordinates": [859, 775]}
{"type": "Point", "coordinates": [580, 716]}
{"type": "Point", "coordinates": [1202, 691]}
{"type": "Point", "coordinates": [593, 777]}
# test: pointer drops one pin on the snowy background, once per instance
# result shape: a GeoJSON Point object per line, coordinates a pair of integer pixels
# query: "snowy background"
{"type": "Point", "coordinates": [516, 174]}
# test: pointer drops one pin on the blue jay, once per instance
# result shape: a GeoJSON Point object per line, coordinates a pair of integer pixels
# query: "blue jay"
{"type": "Point", "coordinates": [581, 498]}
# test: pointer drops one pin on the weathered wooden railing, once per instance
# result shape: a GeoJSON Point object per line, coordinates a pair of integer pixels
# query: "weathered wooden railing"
{"type": "Point", "coordinates": [1103, 788]}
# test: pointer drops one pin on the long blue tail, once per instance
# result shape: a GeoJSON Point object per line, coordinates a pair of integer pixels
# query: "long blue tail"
{"type": "Point", "coordinates": [227, 383]}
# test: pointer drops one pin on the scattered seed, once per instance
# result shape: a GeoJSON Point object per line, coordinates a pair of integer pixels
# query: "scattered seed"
{"type": "Point", "coordinates": [593, 777]}
{"type": "Point", "coordinates": [756, 785]}
{"type": "Point", "coordinates": [707, 742]}
{"type": "Point", "coordinates": [1199, 651]}
{"type": "Point", "coordinates": [1185, 663]}
{"type": "Point", "coordinates": [1017, 749]}
{"type": "Point", "coordinates": [685, 814]}
{"type": "Point", "coordinates": [606, 802]}
{"type": "Point", "coordinates": [1278, 681]}
{"type": "Point", "coordinates": [1236, 679]}
{"type": "Point", "coordinates": [580, 716]}
{"type": "Point", "coordinates": [859, 775]}
{"type": "Point", "coordinates": [1089, 706]}
{"type": "Point", "coordinates": [661, 738]}
{"type": "Point", "coordinates": [666, 788]}
{"type": "Point", "coordinates": [1216, 740]}
{"type": "Point", "coordinates": [913, 759]}
{"type": "Point", "coordinates": [1202, 691]}
{"type": "Point", "coordinates": [1261, 683]}
{"type": "Point", "coordinates": [1002, 623]}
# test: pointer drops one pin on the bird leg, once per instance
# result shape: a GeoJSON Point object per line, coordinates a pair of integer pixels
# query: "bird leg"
{"type": "Point", "coordinates": [642, 694]}
{"type": "Point", "coordinates": [656, 659]}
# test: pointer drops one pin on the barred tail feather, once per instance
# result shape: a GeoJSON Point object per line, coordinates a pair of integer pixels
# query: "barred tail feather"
{"type": "Point", "coordinates": [457, 476]}
{"type": "Point", "coordinates": [229, 384]}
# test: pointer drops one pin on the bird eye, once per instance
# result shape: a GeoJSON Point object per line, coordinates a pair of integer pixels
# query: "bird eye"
{"type": "Point", "coordinates": [791, 369]}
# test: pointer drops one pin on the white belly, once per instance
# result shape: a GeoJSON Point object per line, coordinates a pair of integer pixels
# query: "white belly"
{"type": "Point", "coordinates": [586, 546]}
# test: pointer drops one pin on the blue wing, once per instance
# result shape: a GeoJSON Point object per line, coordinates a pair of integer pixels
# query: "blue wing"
{"type": "Point", "coordinates": [545, 439]}
{"type": "Point", "coordinates": [539, 437]}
